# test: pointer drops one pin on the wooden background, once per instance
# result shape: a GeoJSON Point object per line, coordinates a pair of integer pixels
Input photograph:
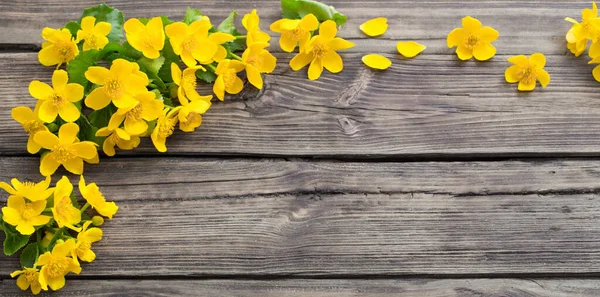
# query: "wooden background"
{"type": "Point", "coordinates": [433, 178]}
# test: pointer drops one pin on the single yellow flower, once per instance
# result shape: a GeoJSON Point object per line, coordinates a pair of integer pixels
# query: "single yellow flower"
{"type": "Point", "coordinates": [145, 108]}
{"type": "Point", "coordinates": [28, 278]}
{"type": "Point", "coordinates": [65, 214]}
{"type": "Point", "coordinates": [57, 264]}
{"type": "Point", "coordinates": [119, 84]}
{"type": "Point", "coordinates": [258, 60]}
{"type": "Point", "coordinates": [596, 71]}
{"type": "Point", "coordinates": [194, 43]}
{"type": "Point", "coordinates": [66, 150]}
{"type": "Point", "coordinates": [148, 39]}
{"type": "Point", "coordinates": [192, 104]}
{"type": "Point", "coordinates": [377, 61]}
{"type": "Point", "coordinates": [580, 33]}
{"type": "Point", "coordinates": [118, 137]}
{"type": "Point", "coordinates": [31, 124]}
{"type": "Point", "coordinates": [294, 32]}
{"type": "Point", "coordinates": [164, 128]}
{"type": "Point", "coordinates": [251, 22]}
{"type": "Point", "coordinates": [93, 34]}
{"type": "Point", "coordinates": [24, 215]}
{"type": "Point", "coordinates": [321, 52]}
{"type": "Point", "coordinates": [409, 49]}
{"type": "Point", "coordinates": [85, 238]}
{"type": "Point", "coordinates": [227, 79]}
{"type": "Point", "coordinates": [374, 27]}
{"type": "Point", "coordinates": [58, 99]}
{"type": "Point", "coordinates": [527, 71]}
{"type": "Point", "coordinates": [59, 47]}
{"type": "Point", "coordinates": [91, 193]}
{"type": "Point", "coordinates": [29, 190]}
{"type": "Point", "coordinates": [473, 40]}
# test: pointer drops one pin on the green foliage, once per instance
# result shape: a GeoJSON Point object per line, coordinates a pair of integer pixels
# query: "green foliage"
{"type": "Point", "coordinates": [73, 28]}
{"type": "Point", "coordinates": [170, 57]}
{"type": "Point", "coordinates": [87, 132]}
{"type": "Point", "coordinates": [228, 26]}
{"type": "Point", "coordinates": [105, 13]}
{"type": "Point", "coordinates": [29, 255]}
{"type": "Point", "coordinates": [152, 65]}
{"type": "Point", "coordinates": [296, 9]}
{"type": "Point", "coordinates": [100, 118]}
{"type": "Point", "coordinates": [192, 15]}
{"type": "Point", "coordinates": [14, 240]}
{"type": "Point", "coordinates": [207, 76]}
{"type": "Point", "coordinates": [78, 66]}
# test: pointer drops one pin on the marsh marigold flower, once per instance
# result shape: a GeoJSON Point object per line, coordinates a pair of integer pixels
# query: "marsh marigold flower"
{"type": "Point", "coordinates": [145, 108]}
{"type": "Point", "coordinates": [85, 238]}
{"type": "Point", "coordinates": [377, 61]}
{"type": "Point", "coordinates": [58, 99]}
{"type": "Point", "coordinates": [227, 79]}
{"type": "Point", "coordinates": [527, 71]}
{"type": "Point", "coordinates": [28, 278]}
{"type": "Point", "coordinates": [31, 124]}
{"type": "Point", "coordinates": [580, 33]}
{"type": "Point", "coordinates": [116, 136]}
{"type": "Point", "coordinates": [65, 150]}
{"type": "Point", "coordinates": [164, 128]}
{"type": "Point", "coordinates": [57, 264]}
{"type": "Point", "coordinates": [321, 52]}
{"type": "Point", "coordinates": [59, 47]}
{"type": "Point", "coordinates": [294, 32]}
{"type": "Point", "coordinates": [148, 39]}
{"type": "Point", "coordinates": [409, 49]}
{"type": "Point", "coordinates": [30, 190]}
{"type": "Point", "coordinates": [194, 43]}
{"type": "Point", "coordinates": [65, 214]}
{"type": "Point", "coordinates": [258, 60]}
{"type": "Point", "coordinates": [91, 193]}
{"type": "Point", "coordinates": [24, 215]}
{"type": "Point", "coordinates": [94, 35]}
{"type": "Point", "coordinates": [119, 84]}
{"type": "Point", "coordinates": [192, 104]}
{"type": "Point", "coordinates": [473, 40]}
{"type": "Point", "coordinates": [251, 21]}
{"type": "Point", "coordinates": [374, 27]}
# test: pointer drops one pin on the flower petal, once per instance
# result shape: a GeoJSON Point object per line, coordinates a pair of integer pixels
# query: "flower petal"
{"type": "Point", "coordinates": [254, 76]}
{"type": "Point", "coordinates": [328, 29]}
{"type": "Point", "coordinates": [68, 133]}
{"type": "Point", "coordinates": [524, 86]}
{"type": "Point", "coordinates": [484, 51]}
{"type": "Point", "coordinates": [47, 111]}
{"type": "Point", "coordinates": [315, 69]}
{"type": "Point", "coordinates": [287, 44]}
{"type": "Point", "coordinates": [338, 44]}
{"type": "Point", "coordinates": [69, 112]}
{"type": "Point", "coordinates": [220, 38]}
{"type": "Point", "coordinates": [309, 22]}
{"type": "Point", "coordinates": [300, 61]}
{"type": "Point", "coordinates": [464, 53]}
{"type": "Point", "coordinates": [102, 28]}
{"type": "Point", "coordinates": [97, 75]}
{"type": "Point", "coordinates": [176, 73]}
{"type": "Point", "coordinates": [218, 89]}
{"type": "Point", "coordinates": [519, 60]}
{"type": "Point", "coordinates": [488, 34]}
{"type": "Point", "coordinates": [513, 74]}
{"type": "Point", "coordinates": [333, 62]}
{"type": "Point", "coordinates": [596, 73]}
{"type": "Point", "coordinates": [74, 165]}
{"type": "Point", "coordinates": [543, 76]}
{"type": "Point", "coordinates": [236, 87]}
{"type": "Point", "coordinates": [471, 24]}
{"type": "Point", "coordinates": [22, 114]}
{"type": "Point", "coordinates": [377, 61]}
{"type": "Point", "coordinates": [46, 139]}
{"type": "Point", "coordinates": [40, 90]}
{"type": "Point", "coordinates": [374, 27]}
{"type": "Point", "coordinates": [73, 92]}
{"type": "Point", "coordinates": [409, 49]}
{"type": "Point", "coordinates": [84, 149]}
{"type": "Point", "coordinates": [456, 37]}
{"type": "Point", "coordinates": [59, 80]}
{"type": "Point", "coordinates": [537, 60]}
{"type": "Point", "coordinates": [97, 99]}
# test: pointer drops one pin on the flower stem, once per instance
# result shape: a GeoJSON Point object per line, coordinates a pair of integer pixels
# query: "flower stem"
{"type": "Point", "coordinates": [235, 56]}
{"type": "Point", "coordinates": [211, 67]}
{"type": "Point", "coordinates": [241, 37]}
{"type": "Point", "coordinates": [56, 236]}
{"type": "Point", "coordinates": [38, 238]}
{"type": "Point", "coordinates": [85, 206]}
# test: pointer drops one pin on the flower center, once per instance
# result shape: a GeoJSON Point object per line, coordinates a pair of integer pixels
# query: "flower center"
{"type": "Point", "coordinates": [528, 75]}
{"type": "Point", "coordinates": [65, 51]}
{"type": "Point", "coordinates": [229, 77]}
{"type": "Point", "coordinates": [319, 51]}
{"type": "Point", "coordinates": [114, 88]}
{"type": "Point", "coordinates": [28, 211]}
{"type": "Point", "coordinates": [84, 246]}
{"type": "Point", "coordinates": [62, 154]}
{"type": "Point", "coordinates": [33, 126]}
{"type": "Point", "coordinates": [135, 113]}
{"type": "Point", "coordinates": [64, 206]}
{"type": "Point", "coordinates": [189, 43]}
{"type": "Point", "coordinates": [57, 100]}
{"type": "Point", "coordinates": [471, 41]}
{"type": "Point", "coordinates": [254, 61]}
{"type": "Point", "coordinates": [296, 34]}
{"type": "Point", "coordinates": [32, 277]}
{"type": "Point", "coordinates": [189, 83]}
{"type": "Point", "coordinates": [58, 267]}
{"type": "Point", "coordinates": [91, 40]}
{"type": "Point", "coordinates": [166, 128]}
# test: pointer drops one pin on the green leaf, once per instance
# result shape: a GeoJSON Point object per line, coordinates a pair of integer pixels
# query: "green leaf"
{"type": "Point", "coordinates": [14, 240]}
{"type": "Point", "coordinates": [74, 200]}
{"type": "Point", "coordinates": [296, 9]}
{"type": "Point", "coordinates": [100, 118]}
{"type": "Point", "coordinates": [207, 76]}
{"type": "Point", "coordinates": [87, 132]}
{"type": "Point", "coordinates": [130, 51]}
{"type": "Point", "coordinates": [170, 57]}
{"type": "Point", "coordinates": [228, 24]}
{"type": "Point", "coordinates": [29, 255]}
{"type": "Point", "coordinates": [153, 76]}
{"type": "Point", "coordinates": [78, 66]}
{"type": "Point", "coordinates": [152, 65]}
{"type": "Point", "coordinates": [111, 48]}
{"type": "Point", "coordinates": [192, 15]}
{"type": "Point", "coordinates": [165, 20]}
{"type": "Point", "coordinates": [105, 13]}
{"type": "Point", "coordinates": [73, 28]}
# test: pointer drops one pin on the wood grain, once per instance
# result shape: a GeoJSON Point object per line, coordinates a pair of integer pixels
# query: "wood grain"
{"type": "Point", "coordinates": [430, 106]}
{"type": "Point", "coordinates": [326, 288]}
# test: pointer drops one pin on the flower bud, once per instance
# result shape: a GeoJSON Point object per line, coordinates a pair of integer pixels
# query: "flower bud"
{"type": "Point", "coordinates": [97, 221]}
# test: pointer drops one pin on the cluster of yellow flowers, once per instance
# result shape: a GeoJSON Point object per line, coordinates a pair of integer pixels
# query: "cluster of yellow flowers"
{"type": "Point", "coordinates": [52, 214]}
{"type": "Point", "coordinates": [581, 33]}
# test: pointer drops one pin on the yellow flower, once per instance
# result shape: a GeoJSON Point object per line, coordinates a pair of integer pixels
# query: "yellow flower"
{"type": "Point", "coordinates": [65, 214]}
{"type": "Point", "coordinates": [527, 71]}
{"type": "Point", "coordinates": [227, 79]}
{"type": "Point", "coordinates": [119, 84]}
{"type": "Point", "coordinates": [294, 32]}
{"type": "Point", "coordinates": [24, 215]}
{"type": "Point", "coordinates": [28, 278]}
{"type": "Point", "coordinates": [374, 27]}
{"type": "Point", "coordinates": [148, 39]}
{"type": "Point", "coordinates": [580, 33]}
{"type": "Point", "coordinates": [91, 193]}
{"type": "Point", "coordinates": [192, 104]}
{"type": "Point", "coordinates": [258, 60]}
{"type": "Point", "coordinates": [377, 61]}
{"type": "Point", "coordinates": [85, 238]}
{"type": "Point", "coordinates": [94, 36]}
{"type": "Point", "coordinates": [321, 52]}
{"type": "Point", "coordinates": [57, 264]}
{"type": "Point", "coordinates": [118, 137]}
{"type": "Point", "coordinates": [58, 99]}
{"type": "Point", "coordinates": [473, 40]}
{"type": "Point", "coordinates": [29, 190]}
{"type": "Point", "coordinates": [251, 22]}
{"type": "Point", "coordinates": [31, 124]}
{"type": "Point", "coordinates": [409, 49]}
{"type": "Point", "coordinates": [596, 71]}
{"type": "Point", "coordinates": [66, 150]}
{"type": "Point", "coordinates": [59, 47]}
{"type": "Point", "coordinates": [193, 43]}
{"type": "Point", "coordinates": [47, 238]}
{"type": "Point", "coordinates": [164, 128]}
{"type": "Point", "coordinates": [145, 108]}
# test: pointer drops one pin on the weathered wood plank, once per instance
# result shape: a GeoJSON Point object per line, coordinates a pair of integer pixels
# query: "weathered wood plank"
{"type": "Point", "coordinates": [326, 288]}
{"type": "Point", "coordinates": [525, 26]}
{"type": "Point", "coordinates": [430, 106]}
{"type": "Point", "coordinates": [168, 225]}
